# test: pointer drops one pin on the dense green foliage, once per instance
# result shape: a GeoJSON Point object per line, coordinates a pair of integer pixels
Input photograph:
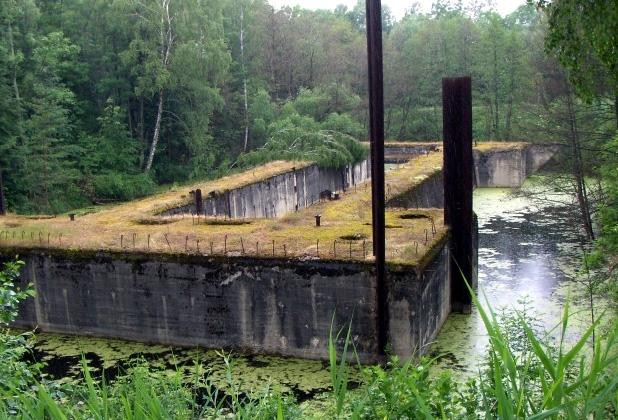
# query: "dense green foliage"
{"type": "Point", "coordinates": [15, 374]}
{"type": "Point", "coordinates": [584, 37]}
{"type": "Point", "coordinates": [103, 100]}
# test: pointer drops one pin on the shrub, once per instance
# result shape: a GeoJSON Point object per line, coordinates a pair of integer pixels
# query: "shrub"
{"type": "Point", "coordinates": [117, 186]}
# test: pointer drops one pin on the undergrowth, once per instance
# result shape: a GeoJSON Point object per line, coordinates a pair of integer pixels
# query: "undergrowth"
{"type": "Point", "coordinates": [527, 373]}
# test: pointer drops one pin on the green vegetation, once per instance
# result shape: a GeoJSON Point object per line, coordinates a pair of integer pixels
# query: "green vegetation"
{"type": "Point", "coordinates": [583, 37]}
{"type": "Point", "coordinates": [105, 100]}
{"type": "Point", "coordinates": [527, 373]}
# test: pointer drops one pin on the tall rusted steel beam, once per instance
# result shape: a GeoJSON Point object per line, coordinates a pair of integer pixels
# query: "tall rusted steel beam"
{"type": "Point", "coordinates": [199, 203]}
{"type": "Point", "coordinates": [376, 128]}
{"type": "Point", "coordinates": [2, 202]}
{"type": "Point", "coordinates": [458, 185]}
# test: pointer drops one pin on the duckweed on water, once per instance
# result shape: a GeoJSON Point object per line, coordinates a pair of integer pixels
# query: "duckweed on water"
{"type": "Point", "coordinates": [62, 355]}
{"type": "Point", "coordinates": [528, 250]}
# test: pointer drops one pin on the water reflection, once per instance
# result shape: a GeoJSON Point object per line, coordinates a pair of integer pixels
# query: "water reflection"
{"type": "Point", "coordinates": [527, 251]}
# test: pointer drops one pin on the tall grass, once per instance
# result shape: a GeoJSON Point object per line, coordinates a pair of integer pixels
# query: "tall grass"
{"type": "Point", "coordinates": [548, 382]}
{"type": "Point", "coordinates": [339, 371]}
{"type": "Point", "coordinates": [543, 378]}
{"type": "Point", "coordinates": [540, 378]}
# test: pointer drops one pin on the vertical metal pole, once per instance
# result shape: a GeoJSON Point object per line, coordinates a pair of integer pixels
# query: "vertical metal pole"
{"type": "Point", "coordinates": [376, 128]}
{"type": "Point", "coordinates": [199, 204]}
{"type": "Point", "coordinates": [2, 204]}
{"type": "Point", "coordinates": [458, 185]}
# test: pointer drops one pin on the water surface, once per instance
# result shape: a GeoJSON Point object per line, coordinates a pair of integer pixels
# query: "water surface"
{"type": "Point", "coordinates": [530, 250]}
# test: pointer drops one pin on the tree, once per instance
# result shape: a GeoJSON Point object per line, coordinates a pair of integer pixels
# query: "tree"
{"type": "Point", "coordinates": [584, 35]}
{"type": "Point", "coordinates": [167, 43]}
{"type": "Point", "coordinates": [49, 167]}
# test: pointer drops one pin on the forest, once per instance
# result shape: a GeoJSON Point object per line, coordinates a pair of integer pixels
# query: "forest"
{"type": "Point", "coordinates": [103, 101]}
{"type": "Point", "coordinates": [106, 100]}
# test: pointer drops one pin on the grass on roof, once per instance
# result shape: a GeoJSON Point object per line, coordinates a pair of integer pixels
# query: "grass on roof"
{"type": "Point", "coordinates": [122, 227]}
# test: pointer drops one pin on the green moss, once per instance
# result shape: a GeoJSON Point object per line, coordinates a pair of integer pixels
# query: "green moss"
{"type": "Point", "coordinates": [252, 373]}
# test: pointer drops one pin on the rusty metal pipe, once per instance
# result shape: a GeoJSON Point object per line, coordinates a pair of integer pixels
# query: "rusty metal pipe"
{"type": "Point", "coordinates": [376, 128]}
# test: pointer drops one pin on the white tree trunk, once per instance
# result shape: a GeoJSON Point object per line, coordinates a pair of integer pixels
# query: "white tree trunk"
{"type": "Point", "coordinates": [244, 76]}
{"type": "Point", "coordinates": [155, 136]}
{"type": "Point", "coordinates": [167, 39]}
{"type": "Point", "coordinates": [15, 86]}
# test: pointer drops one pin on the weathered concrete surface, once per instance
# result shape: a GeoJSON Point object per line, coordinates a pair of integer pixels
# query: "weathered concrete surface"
{"type": "Point", "coordinates": [403, 152]}
{"type": "Point", "coordinates": [257, 305]}
{"type": "Point", "coordinates": [505, 165]}
{"type": "Point", "coordinates": [427, 193]}
{"type": "Point", "coordinates": [494, 168]}
{"type": "Point", "coordinates": [281, 194]}
{"type": "Point", "coordinates": [510, 168]}
{"type": "Point", "coordinates": [419, 308]}
{"type": "Point", "coordinates": [291, 191]}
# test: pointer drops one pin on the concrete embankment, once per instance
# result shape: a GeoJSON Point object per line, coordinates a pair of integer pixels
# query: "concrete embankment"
{"type": "Point", "coordinates": [501, 165]}
{"type": "Point", "coordinates": [496, 165]}
{"type": "Point", "coordinates": [249, 304]}
{"type": "Point", "coordinates": [509, 167]}
{"type": "Point", "coordinates": [281, 194]}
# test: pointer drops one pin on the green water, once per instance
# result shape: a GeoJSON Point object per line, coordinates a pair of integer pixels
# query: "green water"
{"type": "Point", "coordinates": [530, 252]}
{"type": "Point", "coordinates": [527, 251]}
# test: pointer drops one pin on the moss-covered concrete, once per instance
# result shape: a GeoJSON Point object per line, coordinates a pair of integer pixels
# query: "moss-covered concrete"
{"type": "Point", "coordinates": [121, 228]}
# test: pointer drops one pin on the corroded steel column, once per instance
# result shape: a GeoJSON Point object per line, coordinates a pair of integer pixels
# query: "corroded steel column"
{"type": "Point", "coordinates": [458, 185]}
{"type": "Point", "coordinates": [199, 203]}
{"type": "Point", "coordinates": [376, 128]}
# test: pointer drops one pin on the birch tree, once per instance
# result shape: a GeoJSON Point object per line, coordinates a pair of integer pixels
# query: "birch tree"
{"type": "Point", "coordinates": [244, 74]}
{"type": "Point", "coordinates": [167, 42]}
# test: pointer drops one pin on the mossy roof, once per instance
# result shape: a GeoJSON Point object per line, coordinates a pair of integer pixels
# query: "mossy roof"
{"type": "Point", "coordinates": [294, 234]}
{"type": "Point", "coordinates": [499, 146]}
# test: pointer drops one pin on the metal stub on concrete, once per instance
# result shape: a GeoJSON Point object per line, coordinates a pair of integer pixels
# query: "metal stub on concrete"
{"type": "Point", "coordinates": [326, 195]}
{"type": "Point", "coordinates": [199, 203]}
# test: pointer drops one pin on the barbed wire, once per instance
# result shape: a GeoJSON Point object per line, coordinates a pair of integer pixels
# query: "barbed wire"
{"type": "Point", "coordinates": [221, 245]}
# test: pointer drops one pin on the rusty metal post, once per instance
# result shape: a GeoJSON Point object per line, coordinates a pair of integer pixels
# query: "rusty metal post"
{"type": "Point", "coordinates": [458, 185]}
{"type": "Point", "coordinates": [199, 204]}
{"type": "Point", "coordinates": [376, 128]}
{"type": "Point", "coordinates": [2, 203]}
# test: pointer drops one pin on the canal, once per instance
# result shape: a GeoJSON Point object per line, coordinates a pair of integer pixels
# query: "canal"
{"type": "Point", "coordinates": [529, 252]}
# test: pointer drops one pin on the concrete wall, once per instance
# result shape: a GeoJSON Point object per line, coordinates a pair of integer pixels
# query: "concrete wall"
{"type": "Point", "coordinates": [403, 153]}
{"type": "Point", "coordinates": [288, 192]}
{"type": "Point", "coordinates": [281, 194]}
{"type": "Point", "coordinates": [509, 168]}
{"type": "Point", "coordinates": [429, 193]}
{"type": "Point", "coordinates": [257, 305]}
{"type": "Point", "coordinates": [538, 155]}
{"type": "Point", "coordinates": [419, 308]}
{"type": "Point", "coordinates": [504, 168]}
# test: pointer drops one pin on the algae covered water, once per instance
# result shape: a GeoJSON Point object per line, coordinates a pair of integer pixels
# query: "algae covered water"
{"type": "Point", "coordinates": [528, 252]}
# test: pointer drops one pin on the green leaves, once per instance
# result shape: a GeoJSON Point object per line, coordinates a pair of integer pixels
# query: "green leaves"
{"type": "Point", "coordinates": [10, 294]}
{"type": "Point", "coordinates": [544, 381]}
{"type": "Point", "coordinates": [584, 35]}
{"type": "Point", "coordinates": [304, 131]}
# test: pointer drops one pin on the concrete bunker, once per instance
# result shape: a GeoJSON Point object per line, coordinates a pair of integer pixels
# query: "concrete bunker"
{"type": "Point", "coordinates": [238, 296]}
